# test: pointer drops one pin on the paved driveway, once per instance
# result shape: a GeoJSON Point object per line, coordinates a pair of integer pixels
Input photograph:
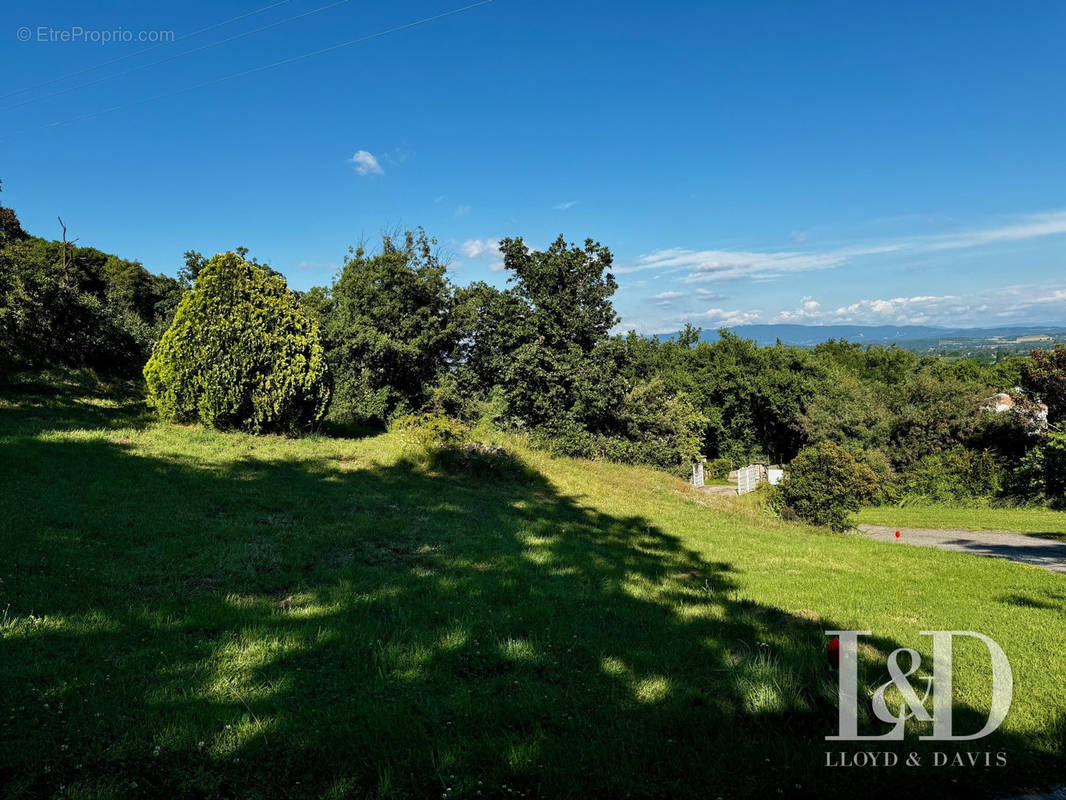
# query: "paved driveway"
{"type": "Point", "coordinates": [1023, 548]}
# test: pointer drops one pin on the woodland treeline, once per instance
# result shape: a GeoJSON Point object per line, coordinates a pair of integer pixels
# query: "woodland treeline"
{"type": "Point", "coordinates": [393, 336]}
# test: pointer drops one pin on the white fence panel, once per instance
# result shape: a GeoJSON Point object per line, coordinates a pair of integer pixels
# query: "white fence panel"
{"type": "Point", "coordinates": [747, 479]}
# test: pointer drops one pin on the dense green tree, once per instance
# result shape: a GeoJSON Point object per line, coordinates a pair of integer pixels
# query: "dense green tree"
{"type": "Point", "coordinates": [388, 328]}
{"type": "Point", "coordinates": [1045, 376]}
{"type": "Point", "coordinates": [78, 306]}
{"type": "Point", "coordinates": [46, 319]}
{"type": "Point", "coordinates": [932, 411]}
{"type": "Point", "coordinates": [493, 323]}
{"type": "Point", "coordinates": [847, 410]}
{"type": "Point", "coordinates": [10, 228]}
{"type": "Point", "coordinates": [559, 367]}
{"type": "Point", "coordinates": [754, 398]}
{"type": "Point", "coordinates": [240, 353]}
{"type": "Point", "coordinates": [194, 265]}
{"type": "Point", "coordinates": [1054, 455]}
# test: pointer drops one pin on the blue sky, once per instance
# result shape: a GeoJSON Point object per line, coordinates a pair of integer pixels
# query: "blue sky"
{"type": "Point", "coordinates": [746, 162]}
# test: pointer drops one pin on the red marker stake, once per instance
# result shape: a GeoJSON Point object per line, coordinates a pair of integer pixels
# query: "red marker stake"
{"type": "Point", "coordinates": [897, 534]}
{"type": "Point", "coordinates": [834, 652]}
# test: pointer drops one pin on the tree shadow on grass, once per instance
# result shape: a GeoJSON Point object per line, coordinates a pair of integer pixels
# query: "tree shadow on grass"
{"type": "Point", "coordinates": [313, 627]}
{"type": "Point", "coordinates": [64, 399]}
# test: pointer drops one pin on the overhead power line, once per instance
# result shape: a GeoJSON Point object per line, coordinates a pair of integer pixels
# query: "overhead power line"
{"type": "Point", "coordinates": [145, 50]}
{"type": "Point", "coordinates": [176, 56]}
{"type": "Point", "coordinates": [275, 64]}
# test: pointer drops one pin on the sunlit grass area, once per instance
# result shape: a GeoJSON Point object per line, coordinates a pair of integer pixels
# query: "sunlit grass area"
{"type": "Point", "coordinates": [1022, 520]}
{"type": "Point", "coordinates": [191, 613]}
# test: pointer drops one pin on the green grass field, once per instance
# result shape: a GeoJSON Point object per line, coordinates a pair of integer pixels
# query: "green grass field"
{"type": "Point", "coordinates": [1022, 520]}
{"type": "Point", "coordinates": [185, 613]}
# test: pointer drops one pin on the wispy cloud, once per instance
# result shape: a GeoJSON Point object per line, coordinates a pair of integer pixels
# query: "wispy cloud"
{"type": "Point", "coordinates": [666, 299]}
{"type": "Point", "coordinates": [705, 266]}
{"type": "Point", "coordinates": [1028, 227]}
{"type": "Point", "coordinates": [723, 265]}
{"type": "Point", "coordinates": [564, 206]}
{"type": "Point", "coordinates": [365, 163]}
{"type": "Point", "coordinates": [462, 211]}
{"type": "Point", "coordinates": [707, 294]}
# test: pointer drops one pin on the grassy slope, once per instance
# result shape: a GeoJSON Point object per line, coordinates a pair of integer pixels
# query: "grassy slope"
{"type": "Point", "coordinates": [1023, 520]}
{"type": "Point", "coordinates": [195, 613]}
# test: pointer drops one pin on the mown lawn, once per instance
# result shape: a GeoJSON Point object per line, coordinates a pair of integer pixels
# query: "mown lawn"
{"type": "Point", "coordinates": [186, 613]}
{"type": "Point", "coordinates": [1022, 520]}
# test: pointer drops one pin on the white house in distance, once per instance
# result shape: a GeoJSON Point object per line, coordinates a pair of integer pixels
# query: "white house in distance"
{"type": "Point", "coordinates": [1035, 413]}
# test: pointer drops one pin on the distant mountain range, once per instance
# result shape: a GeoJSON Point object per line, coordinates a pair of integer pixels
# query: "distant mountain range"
{"type": "Point", "coordinates": [911, 337]}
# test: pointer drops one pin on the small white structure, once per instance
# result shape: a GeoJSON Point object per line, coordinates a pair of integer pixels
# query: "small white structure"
{"type": "Point", "coordinates": [1000, 403]}
{"type": "Point", "coordinates": [697, 473]}
{"type": "Point", "coordinates": [749, 477]}
{"type": "Point", "coordinates": [752, 475]}
{"type": "Point", "coordinates": [1034, 414]}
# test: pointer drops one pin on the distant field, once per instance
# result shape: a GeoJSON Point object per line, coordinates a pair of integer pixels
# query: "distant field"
{"type": "Point", "coordinates": [186, 613]}
{"type": "Point", "coordinates": [1022, 520]}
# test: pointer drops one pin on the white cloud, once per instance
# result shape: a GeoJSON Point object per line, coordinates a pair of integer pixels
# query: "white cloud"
{"type": "Point", "coordinates": [669, 295]}
{"type": "Point", "coordinates": [720, 317]}
{"type": "Point", "coordinates": [564, 206]}
{"type": "Point", "coordinates": [984, 308]}
{"type": "Point", "coordinates": [808, 311]}
{"type": "Point", "coordinates": [366, 164]}
{"type": "Point", "coordinates": [484, 248]}
{"type": "Point", "coordinates": [472, 248]}
{"type": "Point", "coordinates": [1032, 303]}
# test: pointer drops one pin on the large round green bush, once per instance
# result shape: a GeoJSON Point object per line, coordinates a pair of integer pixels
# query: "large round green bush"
{"type": "Point", "coordinates": [825, 483]}
{"type": "Point", "coordinates": [241, 353]}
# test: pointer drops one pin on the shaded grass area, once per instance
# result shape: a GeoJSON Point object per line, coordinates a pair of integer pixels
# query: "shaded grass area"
{"type": "Point", "coordinates": [1022, 520]}
{"type": "Point", "coordinates": [185, 613]}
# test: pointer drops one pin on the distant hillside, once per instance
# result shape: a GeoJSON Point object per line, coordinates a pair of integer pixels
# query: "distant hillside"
{"type": "Point", "coordinates": [919, 338]}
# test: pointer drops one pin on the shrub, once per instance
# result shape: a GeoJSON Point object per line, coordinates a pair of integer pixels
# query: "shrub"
{"type": "Point", "coordinates": [824, 485]}
{"type": "Point", "coordinates": [446, 443]}
{"type": "Point", "coordinates": [1042, 472]}
{"type": "Point", "coordinates": [654, 426]}
{"type": "Point", "coordinates": [887, 489]}
{"type": "Point", "coordinates": [240, 353]}
{"type": "Point", "coordinates": [573, 441]}
{"type": "Point", "coordinates": [954, 475]}
{"type": "Point", "coordinates": [718, 468]}
{"type": "Point", "coordinates": [429, 432]}
{"type": "Point", "coordinates": [1055, 468]}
